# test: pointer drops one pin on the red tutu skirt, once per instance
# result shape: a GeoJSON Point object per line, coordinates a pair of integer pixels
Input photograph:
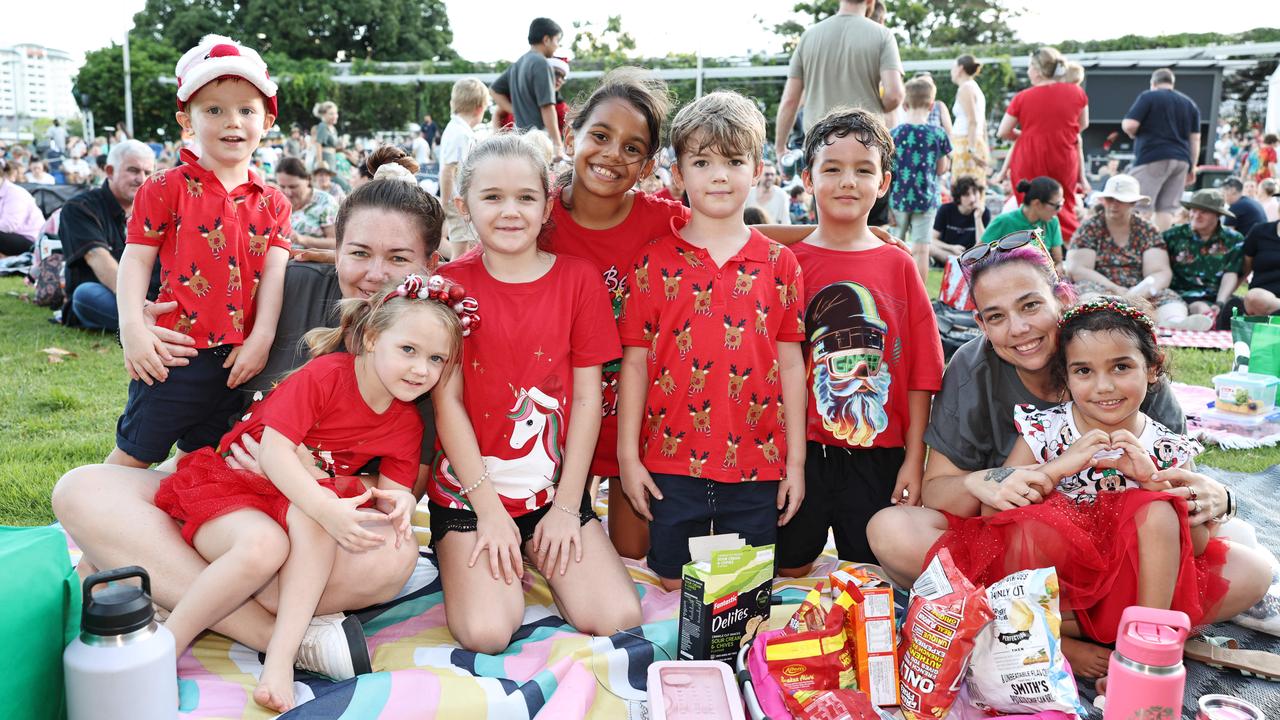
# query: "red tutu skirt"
{"type": "Point", "coordinates": [205, 487]}
{"type": "Point", "coordinates": [1094, 547]}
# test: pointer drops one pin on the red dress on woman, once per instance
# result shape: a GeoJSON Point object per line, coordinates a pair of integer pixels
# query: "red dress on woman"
{"type": "Point", "coordinates": [1049, 117]}
{"type": "Point", "coordinates": [1088, 529]}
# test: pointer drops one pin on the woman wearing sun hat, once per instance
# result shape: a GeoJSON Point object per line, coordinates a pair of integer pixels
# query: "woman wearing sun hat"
{"type": "Point", "coordinates": [1206, 255]}
{"type": "Point", "coordinates": [1117, 252]}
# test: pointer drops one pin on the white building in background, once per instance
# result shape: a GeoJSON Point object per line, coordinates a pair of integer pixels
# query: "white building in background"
{"type": "Point", "coordinates": [35, 82]}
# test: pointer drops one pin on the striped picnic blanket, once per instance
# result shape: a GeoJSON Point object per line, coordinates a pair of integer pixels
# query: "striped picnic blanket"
{"type": "Point", "coordinates": [549, 670]}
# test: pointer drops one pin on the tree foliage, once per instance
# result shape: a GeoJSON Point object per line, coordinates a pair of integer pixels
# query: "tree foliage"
{"type": "Point", "coordinates": [611, 46]}
{"type": "Point", "coordinates": [921, 23]}
{"type": "Point", "coordinates": [102, 79]}
{"type": "Point", "coordinates": [321, 29]}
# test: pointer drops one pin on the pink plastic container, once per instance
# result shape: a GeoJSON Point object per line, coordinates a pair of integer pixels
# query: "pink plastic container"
{"type": "Point", "coordinates": [693, 690]}
{"type": "Point", "coordinates": [1146, 676]}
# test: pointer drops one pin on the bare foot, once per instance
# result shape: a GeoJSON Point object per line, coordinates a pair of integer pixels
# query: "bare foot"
{"type": "Point", "coordinates": [1087, 659]}
{"type": "Point", "coordinates": [275, 688]}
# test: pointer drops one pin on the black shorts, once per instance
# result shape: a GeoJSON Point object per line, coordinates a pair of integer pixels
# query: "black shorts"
{"type": "Point", "coordinates": [446, 520]}
{"type": "Point", "coordinates": [842, 490]}
{"type": "Point", "coordinates": [692, 507]}
{"type": "Point", "coordinates": [193, 408]}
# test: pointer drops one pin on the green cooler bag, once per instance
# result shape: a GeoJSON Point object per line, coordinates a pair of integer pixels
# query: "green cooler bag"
{"type": "Point", "coordinates": [1261, 334]}
{"type": "Point", "coordinates": [40, 597]}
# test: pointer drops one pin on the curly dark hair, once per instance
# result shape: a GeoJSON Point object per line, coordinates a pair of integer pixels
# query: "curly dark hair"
{"type": "Point", "coordinates": [865, 127]}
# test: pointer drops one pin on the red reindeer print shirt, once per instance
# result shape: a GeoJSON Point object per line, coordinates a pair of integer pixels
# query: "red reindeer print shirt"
{"type": "Point", "coordinates": [714, 406]}
{"type": "Point", "coordinates": [213, 246]}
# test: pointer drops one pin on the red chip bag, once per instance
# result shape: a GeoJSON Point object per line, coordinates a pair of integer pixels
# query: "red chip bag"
{"type": "Point", "coordinates": [810, 615]}
{"type": "Point", "coordinates": [945, 615]}
{"type": "Point", "coordinates": [836, 705]}
{"type": "Point", "coordinates": [810, 662]}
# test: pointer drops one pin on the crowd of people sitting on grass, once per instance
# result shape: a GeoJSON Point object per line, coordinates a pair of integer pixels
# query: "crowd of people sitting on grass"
{"type": "Point", "coordinates": [323, 371]}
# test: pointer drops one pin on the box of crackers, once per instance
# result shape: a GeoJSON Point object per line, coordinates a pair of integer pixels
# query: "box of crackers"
{"type": "Point", "coordinates": [875, 638]}
{"type": "Point", "coordinates": [724, 597]}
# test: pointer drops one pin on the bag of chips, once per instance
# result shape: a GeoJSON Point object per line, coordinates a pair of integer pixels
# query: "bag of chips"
{"type": "Point", "coordinates": [1017, 664]}
{"type": "Point", "coordinates": [813, 661]}
{"type": "Point", "coordinates": [810, 616]}
{"type": "Point", "coordinates": [945, 615]}
{"type": "Point", "coordinates": [838, 705]}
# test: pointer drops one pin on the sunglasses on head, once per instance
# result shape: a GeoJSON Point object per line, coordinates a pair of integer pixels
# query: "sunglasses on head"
{"type": "Point", "coordinates": [1009, 242]}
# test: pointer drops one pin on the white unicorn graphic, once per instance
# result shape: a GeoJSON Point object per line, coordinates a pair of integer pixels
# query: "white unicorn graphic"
{"type": "Point", "coordinates": [532, 477]}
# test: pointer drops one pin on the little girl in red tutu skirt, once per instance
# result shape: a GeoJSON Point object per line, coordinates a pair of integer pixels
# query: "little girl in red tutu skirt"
{"type": "Point", "coordinates": [351, 404]}
{"type": "Point", "coordinates": [1099, 517]}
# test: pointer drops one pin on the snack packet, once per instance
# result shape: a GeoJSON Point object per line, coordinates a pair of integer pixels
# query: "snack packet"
{"type": "Point", "coordinates": [812, 661]}
{"type": "Point", "coordinates": [838, 705]}
{"type": "Point", "coordinates": [811, 615]}
{"type": "Point", "coordinates": [1017, 664]}
{"type": "Point", "coordinates": [945, 615]}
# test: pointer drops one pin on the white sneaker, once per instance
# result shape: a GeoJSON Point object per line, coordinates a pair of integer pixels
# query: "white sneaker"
{"type": "Point", "coordinates": [334, 646]}
{"type": "Point", "coordinates": [1192, 323]}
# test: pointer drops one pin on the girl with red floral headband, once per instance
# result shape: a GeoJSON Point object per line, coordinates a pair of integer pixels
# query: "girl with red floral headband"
{"type": "Point", "coordinates": [317, 429]}
{"type": "Point", "coordinates": [1098, 514]}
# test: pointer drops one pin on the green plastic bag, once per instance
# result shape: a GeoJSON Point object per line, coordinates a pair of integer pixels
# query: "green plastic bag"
{"type": "Point", "coordinates": [40, 594]}
{"type": "Point", "coordinates": [1261, 334]}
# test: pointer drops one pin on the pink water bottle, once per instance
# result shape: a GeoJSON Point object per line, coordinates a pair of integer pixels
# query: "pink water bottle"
{"type": "Point", "coordinates": [1146, 676]}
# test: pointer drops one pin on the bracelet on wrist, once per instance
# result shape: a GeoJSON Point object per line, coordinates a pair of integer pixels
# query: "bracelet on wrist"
{"type": "Point", "coordinates": [564, 509]}
{"type": "Point", "coordinates": [468, 490]}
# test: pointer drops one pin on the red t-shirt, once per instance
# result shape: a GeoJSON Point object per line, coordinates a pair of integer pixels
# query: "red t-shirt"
{"type": "Point", "coordinates": [871, 337]}
{"type": "Point", "coordinates": [714, 407]}
{"type": "Point", "coordinates": [213, 246]}
{"type": "Point", "coordinates": [517, 373]}
{"type": "Point", "coordinates": [320, 406]}
{"type": "Point", "coordinates": [611, 251]}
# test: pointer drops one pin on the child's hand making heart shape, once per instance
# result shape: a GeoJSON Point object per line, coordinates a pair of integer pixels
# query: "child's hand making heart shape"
{"type": "Point", "coordinates": [1125, 454]}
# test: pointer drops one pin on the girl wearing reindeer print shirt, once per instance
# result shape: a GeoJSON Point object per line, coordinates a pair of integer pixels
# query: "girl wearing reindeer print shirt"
{"type": "Point", "coordinates": [1099, 516]}
{"type": "Point", "coordinates": [518, 425]}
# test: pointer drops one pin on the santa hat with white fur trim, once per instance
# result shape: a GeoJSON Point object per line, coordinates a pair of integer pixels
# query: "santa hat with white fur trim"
{"type": "Point", "coordinates": [218, 56]}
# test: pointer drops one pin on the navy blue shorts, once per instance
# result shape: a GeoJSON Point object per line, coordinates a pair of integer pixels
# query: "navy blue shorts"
{"type": "Point", "coordinates": [192, 409]}
{"type": "Point", "coordinates": [691, 507]}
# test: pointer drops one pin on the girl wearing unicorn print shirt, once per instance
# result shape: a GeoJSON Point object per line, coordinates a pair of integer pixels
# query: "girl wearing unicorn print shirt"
{"type": "Point", "coordinates": [517, 427]}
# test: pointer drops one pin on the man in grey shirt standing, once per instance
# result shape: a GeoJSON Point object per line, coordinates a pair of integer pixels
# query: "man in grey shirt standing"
{"type": "Point", "coordinates": [845, 60]}
{"type": "Point", "coordinates": [527, 88]}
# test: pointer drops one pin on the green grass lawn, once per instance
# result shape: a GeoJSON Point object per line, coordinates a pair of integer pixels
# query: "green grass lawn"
{"type": "Point", "coordinates": [61, 415]}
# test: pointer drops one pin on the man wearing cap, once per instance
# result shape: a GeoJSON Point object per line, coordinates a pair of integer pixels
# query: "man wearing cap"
{"type": "Point", "coordinates": [1206, 256]}
{"type": "Point", "coordinates": [1165, 126]}
{"type": "Point", "coordinates": [323, 178]}
{"type": "Point", "coordinates": [1118, 252]}
{"type": "Point", "coordinates": [92, 229]}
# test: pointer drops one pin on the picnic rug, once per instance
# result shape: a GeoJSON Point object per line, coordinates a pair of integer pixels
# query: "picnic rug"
{"type": "Point", "coordinates": [551, 671]}
{"type": "Point", "coordinates": [1207, 340]}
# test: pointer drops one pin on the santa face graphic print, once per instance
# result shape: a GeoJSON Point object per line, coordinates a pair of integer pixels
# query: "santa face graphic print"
{"type": "Point", "coordinates": [851, 378]}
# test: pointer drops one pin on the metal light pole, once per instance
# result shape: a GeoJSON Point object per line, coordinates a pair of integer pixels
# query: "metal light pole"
{"type": "Point", "coordinates": [128, 90]}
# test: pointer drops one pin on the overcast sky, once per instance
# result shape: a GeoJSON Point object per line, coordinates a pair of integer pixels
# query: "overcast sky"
{"type": "Point", "coordinates": [495, 29]}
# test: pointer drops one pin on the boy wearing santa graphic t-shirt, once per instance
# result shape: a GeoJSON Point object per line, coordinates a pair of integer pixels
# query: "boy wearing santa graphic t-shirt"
{"type": "Point", "coordinates": [873, 353]}
{"type": "Point", "coordinates": [711, 393]}
{"type": "Point", "coordinates": [221, 237]}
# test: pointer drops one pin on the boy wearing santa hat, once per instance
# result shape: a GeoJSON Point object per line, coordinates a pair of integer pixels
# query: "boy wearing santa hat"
{"type": "Point", "coordinates": [221, 236]}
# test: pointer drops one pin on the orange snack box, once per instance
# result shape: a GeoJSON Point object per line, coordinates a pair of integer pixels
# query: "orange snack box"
{"type": "Point", "coordinates": [875, 645]}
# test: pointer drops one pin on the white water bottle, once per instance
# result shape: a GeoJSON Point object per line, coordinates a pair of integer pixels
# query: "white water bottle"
{"type": "Point", "coordinates": [122, 667]}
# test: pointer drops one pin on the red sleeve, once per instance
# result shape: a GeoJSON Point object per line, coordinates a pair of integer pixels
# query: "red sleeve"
{"type": "Point", "coordinates": [403, 466]}
{"type": "Point", "coordinates": [789, 270]}
{"type": "Point", "coordinates": [1015, 106]}
{"type": "Point", "coordinates": [924, 346]}
{"type": "Point", "coordinates": [284, 227]}
{"type": "Point", "coordinates": [639, 309]}
{"type": "Point", "coordinates": [593, 339]}
{"type": "Point", "coordinates": [295, 405]}
{"type": "Point", "coordinates": [152, 220]}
